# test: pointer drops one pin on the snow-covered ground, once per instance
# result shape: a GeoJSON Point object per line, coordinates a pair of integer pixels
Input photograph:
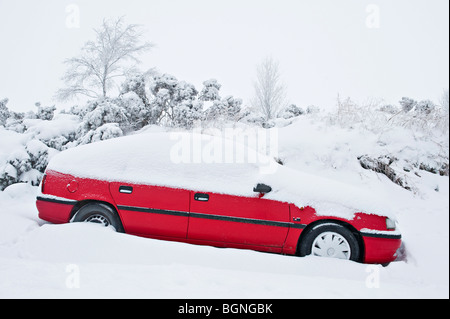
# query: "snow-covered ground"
{"type": "Point", "coordinates": [40, 260]}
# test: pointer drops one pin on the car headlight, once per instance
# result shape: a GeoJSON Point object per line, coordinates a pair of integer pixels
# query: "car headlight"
{"type": "Point", "coordinates": [390, 224]}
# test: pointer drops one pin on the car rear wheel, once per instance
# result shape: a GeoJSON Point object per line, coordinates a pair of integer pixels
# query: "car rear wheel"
{"type": "Point", "coordinates": [98, 213]}
{"type": "Point", "coordinates": [330, 240]}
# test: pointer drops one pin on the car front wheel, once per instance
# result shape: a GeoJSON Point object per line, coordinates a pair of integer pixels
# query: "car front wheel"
{"type": "Point", "coordinates": [330, 240]}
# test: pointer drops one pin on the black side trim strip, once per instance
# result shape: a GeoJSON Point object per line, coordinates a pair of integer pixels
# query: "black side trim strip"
{"type": "Point", "coordinates": [152, 211]}
{"type": "Point", "coordinates": [386, 236]}
{"type": "Point", "coordinates": [212, 217]}
{"type": "Point", "coordinates": [245, 220]}
{"type": "Point", "coordinates": [57, 201]}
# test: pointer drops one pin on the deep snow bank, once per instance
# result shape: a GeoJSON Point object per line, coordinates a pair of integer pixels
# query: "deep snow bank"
{"type": "Point", "coordinates": [39, 260]}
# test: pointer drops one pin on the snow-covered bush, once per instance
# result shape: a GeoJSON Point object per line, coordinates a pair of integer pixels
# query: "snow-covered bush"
{"type": "Point", "coordinates": [45, 113]}
{"type": "Point", "coordinates": [26, 164]}
{"type": "Point", "coordinates": [424, 125]}
{"type": "Point", "coordinates": [20, 160]}
{"type": "Point", "coordinates": [407, 104]}
{"type": "Point", "coordinates": [28, 141]}
{"type": "Point", "coordinates": [425, 107]}
{"type": "Point", "coordinates": [292, 111]}
{"type": "Point", "coordinates": [14, 122]}
{"type": "Point", "coordinates": [105, 132]}
{"type": "Point", "coordinates": [79, 110]}
{"type": "Point", "coordinates": [103, 111]}
{"type": "Point", "coordinates": [128, 111]}
{"type": "Point", "coordinates": [312, 109]}
{"type": "Point", "coordinates": [424, 116]}
{"type": "Point", "coordinates": [350, 114]}
{"type": "Point", "coordinates": [39, 154]}
{"type": "Point", "coordinates": [8, 176]}
{"type": "Point", "coordinates": [251, 117]}
{"type": "Point", "coordinates": [389, 108]}
{"type": "Point", "coordinates": [229, 108]}
{"type": "Point", "coordinates": [136, 83]}
{"type": "Point", "coordinates": [138, 113]}
{"type": "Point", "coordinates": [167, 101]}
{"type": "Point", "coordinates": [59, 142]}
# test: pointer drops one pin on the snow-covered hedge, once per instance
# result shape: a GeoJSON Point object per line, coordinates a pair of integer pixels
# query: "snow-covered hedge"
{"type": "Point", "coordinates": [412, 137]}
{"type": "Point", "coordinates": [29, 140]}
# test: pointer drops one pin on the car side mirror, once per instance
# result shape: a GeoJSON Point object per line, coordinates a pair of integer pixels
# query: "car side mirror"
{"type": "Point", "coordinates": [262, 188]}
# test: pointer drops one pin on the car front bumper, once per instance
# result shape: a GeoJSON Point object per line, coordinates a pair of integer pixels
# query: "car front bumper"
{"type": "Point", "coordinates": [381, 247]}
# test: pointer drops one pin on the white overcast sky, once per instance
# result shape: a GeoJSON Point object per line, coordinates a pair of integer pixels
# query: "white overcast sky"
{"type": "Point", "coordinates": [324, 47]}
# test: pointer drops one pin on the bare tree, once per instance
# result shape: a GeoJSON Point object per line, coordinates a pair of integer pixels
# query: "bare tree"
{"type": "Point", "coordinates": [270, 92]}
{"type": "Point", "coordinates": [113, 54]}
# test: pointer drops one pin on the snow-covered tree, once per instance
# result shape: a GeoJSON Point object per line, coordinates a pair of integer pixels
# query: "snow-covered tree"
{"type": "Point", "coordinates": [187, 113]}
{"type": "Point", "coordinates": [210, 91]}
{"type": "Point", "coordinates": [185, 92]}
{"type": "Point", "coordinates": [163, 88]}
{"type": "Point", "coordinates": [173, 98]}
{"type": "Point", "coordinates": [187, 109]}
{"type": "Point", "coordinates": [113, 54]}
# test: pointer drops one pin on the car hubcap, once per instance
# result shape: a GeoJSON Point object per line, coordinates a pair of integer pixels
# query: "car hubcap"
{"type": "Point", "coordinates": [98, 219]}
{"type": "Point", "coordinates": [332, 245]}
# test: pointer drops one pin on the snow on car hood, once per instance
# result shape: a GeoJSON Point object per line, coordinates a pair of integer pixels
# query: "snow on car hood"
{"type": "Point", "coordinates": [205, 163]}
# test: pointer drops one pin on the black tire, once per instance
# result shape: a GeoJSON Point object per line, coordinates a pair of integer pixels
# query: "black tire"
{"type": "Point", "coordinates": [351, 242]}
{"type": "Point", "coordinates": [98, 213]}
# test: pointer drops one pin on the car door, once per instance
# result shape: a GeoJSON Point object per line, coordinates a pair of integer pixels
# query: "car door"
{"type": "Point", "coordinates": [230, 219]}
{"type": "Point", "coordinates": [152, 211]}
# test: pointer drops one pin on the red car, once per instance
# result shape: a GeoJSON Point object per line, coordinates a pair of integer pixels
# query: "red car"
{"type": "Point", "coordinates": [147, 185]}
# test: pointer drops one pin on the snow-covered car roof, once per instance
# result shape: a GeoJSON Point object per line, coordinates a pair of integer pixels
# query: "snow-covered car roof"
{"type": "Point", "coordinates": [203, 163]}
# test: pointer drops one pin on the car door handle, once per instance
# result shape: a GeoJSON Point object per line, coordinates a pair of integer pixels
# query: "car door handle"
{"type": "Point", "coordinates": [126, 189]}
{"type": "Point", "coordinates": [201, 197]}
